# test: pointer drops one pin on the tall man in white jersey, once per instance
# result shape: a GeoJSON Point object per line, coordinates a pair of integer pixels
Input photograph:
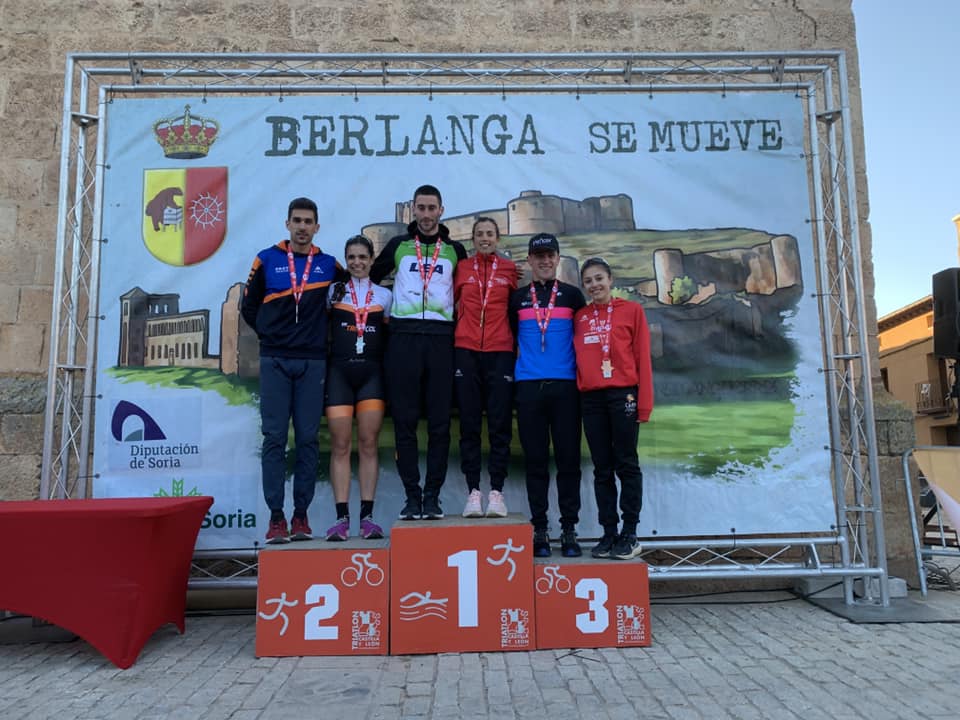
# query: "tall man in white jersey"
{"type": "Point", "coordinates": [419, 358]}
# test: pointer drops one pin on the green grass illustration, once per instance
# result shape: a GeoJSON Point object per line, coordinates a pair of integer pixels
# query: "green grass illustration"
{"type": "Point", "coordinates": [232, 388]}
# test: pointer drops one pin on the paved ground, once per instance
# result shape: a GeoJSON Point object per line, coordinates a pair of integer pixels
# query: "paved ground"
{"type": "Point", "coordinates": [732, 660]}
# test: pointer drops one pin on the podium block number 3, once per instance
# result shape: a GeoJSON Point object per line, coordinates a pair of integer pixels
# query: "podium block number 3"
{"type": "Point", "coordinates": [327, 599]}
{"type": "Point", "coordinates": [465, 562]}
{"type": "Point", "coordinates": [597, 618]}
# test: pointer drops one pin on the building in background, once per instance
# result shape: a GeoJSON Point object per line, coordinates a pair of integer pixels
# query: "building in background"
{"type": "Point", "coordinates": [915, 376]}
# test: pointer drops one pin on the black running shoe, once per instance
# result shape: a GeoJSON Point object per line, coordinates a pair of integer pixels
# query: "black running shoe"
{"type": "Point", "coordinates": [569, 547]}
{"type": "Point", "coordinates": [412, 510]}
{"type": "Point", "coordinates": [541, 543]}
{"type": "Point", "coordinates": [626, 548]}
{"type": "Point", "coordinates": [431, 508]}
{"type": "Point", "coordinates": [602, 549]}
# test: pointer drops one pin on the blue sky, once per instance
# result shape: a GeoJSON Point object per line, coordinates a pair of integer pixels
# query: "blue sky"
{"type": "Point", "coordinates": [909, 66]}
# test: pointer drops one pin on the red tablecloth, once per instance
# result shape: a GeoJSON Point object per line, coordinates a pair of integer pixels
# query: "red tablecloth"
{"type": "Point", "coordinates": [112, 570]}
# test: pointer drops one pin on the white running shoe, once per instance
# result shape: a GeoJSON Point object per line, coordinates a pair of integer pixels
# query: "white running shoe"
{"type": "Point", "coordinates": [496, 507]}
{"type": "Point", "coordinates": [473, 508]}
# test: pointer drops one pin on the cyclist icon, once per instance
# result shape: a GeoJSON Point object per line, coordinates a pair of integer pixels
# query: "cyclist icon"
{"type": "Point", "coordinates": [361, 569]}
{"type": "Point", "coordinates": [553, 579]}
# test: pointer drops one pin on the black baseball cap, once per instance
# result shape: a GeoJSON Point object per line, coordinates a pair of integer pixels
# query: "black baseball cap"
{"type": "Point", "coordinates": [543, 242]}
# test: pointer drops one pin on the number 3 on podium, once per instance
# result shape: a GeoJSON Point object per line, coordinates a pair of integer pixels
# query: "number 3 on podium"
{"type": "Point", "coordinates": [597, 618]}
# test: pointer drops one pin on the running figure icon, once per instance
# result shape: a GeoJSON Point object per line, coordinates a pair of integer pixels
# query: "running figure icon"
{"type": "Point", "coordinates": [281, 603]}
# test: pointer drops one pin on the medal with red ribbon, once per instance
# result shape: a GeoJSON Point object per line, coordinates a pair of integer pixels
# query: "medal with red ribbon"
{"type": "Point", "coordinates": [603, 330]}
{"type": "Point", "coordinates": [360, 315]}
{"type": "Point", "coordinates": [425, 275]}
{"type": "Point", "coordinates": [298, 289]}
{"type": "Point", "coordinates": [544, 321]}
{"type": "Point", "coordinates": [484, 290]}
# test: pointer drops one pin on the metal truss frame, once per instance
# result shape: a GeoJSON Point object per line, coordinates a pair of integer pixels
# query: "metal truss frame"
{"type": "Point", "coordinates": [855, 548]}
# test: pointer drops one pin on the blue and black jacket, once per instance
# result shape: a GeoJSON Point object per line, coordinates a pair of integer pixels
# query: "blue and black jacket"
{"type": "Point", "coordinates": [269, 307]}
{"type": "Point", "coordinates": [555, 359]}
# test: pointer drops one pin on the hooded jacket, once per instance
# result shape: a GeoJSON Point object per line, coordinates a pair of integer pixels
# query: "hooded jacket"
{"type": "Point", "coordinates": [629, 348]}
{"type": "Point", "coordinates": [285, 327]}
{"type": "Point", "coordinates": [420, 307]}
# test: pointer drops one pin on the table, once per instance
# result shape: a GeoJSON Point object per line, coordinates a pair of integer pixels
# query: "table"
{"type": "Point", "coordinates": [109, 570]}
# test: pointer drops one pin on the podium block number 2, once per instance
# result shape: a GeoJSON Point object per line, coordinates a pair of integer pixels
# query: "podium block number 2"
{"type": "Point", "coordinates": [465, 562]}
{"type": "Point", "coordinates": [597, 618]}
{"type": "Point", "coordinates": [327, 599]}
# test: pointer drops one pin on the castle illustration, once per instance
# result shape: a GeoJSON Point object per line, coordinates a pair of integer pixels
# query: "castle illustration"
{"type": "Point", "coordinates": [530, 213]}
{"type": "Point", "coordinates": [154, 333]}
{"type": "Point", "coordinates": [734, 292]}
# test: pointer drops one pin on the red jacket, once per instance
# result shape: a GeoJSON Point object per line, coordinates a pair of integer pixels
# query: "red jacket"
{"type": "Point", "coordinates": [629, 351]}
{"type": "Point", "coordinates": [495, 335]}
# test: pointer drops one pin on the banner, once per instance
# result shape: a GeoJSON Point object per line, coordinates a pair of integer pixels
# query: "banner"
{"type": "Point", "coordinates": [698, 201]}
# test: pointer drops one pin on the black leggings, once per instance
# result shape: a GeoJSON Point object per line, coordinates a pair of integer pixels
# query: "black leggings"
{"type": "Point", "coordinates": [484, 382]}
{"type": "Point", "coordinates": [610, 424]}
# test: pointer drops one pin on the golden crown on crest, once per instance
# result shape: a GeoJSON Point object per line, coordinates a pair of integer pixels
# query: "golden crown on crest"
{"type": "Point", "coordinates": [187, 136]}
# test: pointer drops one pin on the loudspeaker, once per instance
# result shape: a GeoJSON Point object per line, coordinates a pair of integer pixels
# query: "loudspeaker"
{"type": "Point", "coordinates": [946, 313]}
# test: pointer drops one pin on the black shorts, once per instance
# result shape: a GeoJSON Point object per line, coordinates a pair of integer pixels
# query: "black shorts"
{"type": "Point", "coordinates": [354, 385]}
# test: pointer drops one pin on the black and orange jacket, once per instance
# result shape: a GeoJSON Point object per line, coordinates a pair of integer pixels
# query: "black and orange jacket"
{"type": "Point", "coordinates": [286, 328]}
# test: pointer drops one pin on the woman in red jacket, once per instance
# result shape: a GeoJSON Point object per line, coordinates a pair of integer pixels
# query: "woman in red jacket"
{"type": "Point", "coordinates": [483, 362]}
{"type": "Point", "coordinates": [612, 344]}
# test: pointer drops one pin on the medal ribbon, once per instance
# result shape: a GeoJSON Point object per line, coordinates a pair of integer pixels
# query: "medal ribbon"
{"type": "Point", "coordinates": [543, 322]}
{"type": "Point", "coordinates": [298, 289]}
{"type": "Point", "coordinates": [603, 330]}
{"type": "Point", "coordinates": [425, 277]}
{"type": "Point", "coordinates": [484, 292]}
{"type": "Point", "coordinates": [360, 316]}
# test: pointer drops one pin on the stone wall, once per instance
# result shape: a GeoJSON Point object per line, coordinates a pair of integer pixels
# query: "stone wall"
{"type": "Point", "coordinates": [35, 36]}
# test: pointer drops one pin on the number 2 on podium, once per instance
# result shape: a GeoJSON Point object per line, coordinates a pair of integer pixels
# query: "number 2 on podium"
{"type": "Point", "coordinates": [465, 562]}
{"type": "Point", "coordinates": [327, 597]}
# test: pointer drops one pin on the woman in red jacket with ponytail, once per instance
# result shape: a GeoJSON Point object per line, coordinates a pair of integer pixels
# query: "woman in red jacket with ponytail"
{"type": "Point", "coordinates": [612, 344]}
{"type": "Point", "coordinates": [483, 361]}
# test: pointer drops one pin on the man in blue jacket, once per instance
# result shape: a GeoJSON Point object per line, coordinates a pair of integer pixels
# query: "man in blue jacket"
{"type": "Point", "coordinates": [285, 301]}
{"type": "Point", "coordinates": [548, 402]}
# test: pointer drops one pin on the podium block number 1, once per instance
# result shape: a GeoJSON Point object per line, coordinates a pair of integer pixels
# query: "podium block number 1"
{"type": "Point", "coordinates": [465, 562]}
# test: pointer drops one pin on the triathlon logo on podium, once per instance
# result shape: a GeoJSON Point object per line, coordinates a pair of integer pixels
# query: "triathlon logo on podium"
{"type": "Point", "coordinates": [631, 625]}
{"type": "Point", "coordinates": [366, 630]}
{"type": "Point", "coordinates": [515, 628]}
